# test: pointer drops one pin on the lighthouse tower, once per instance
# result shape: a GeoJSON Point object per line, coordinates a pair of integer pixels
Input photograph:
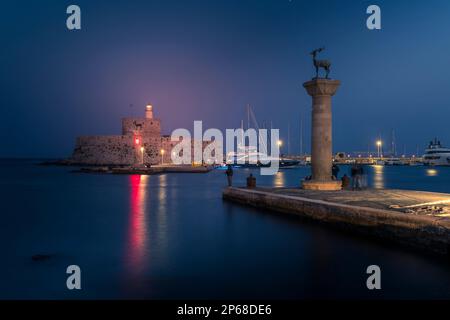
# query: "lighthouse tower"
{"type": "Point", "coordinates": [149, 111]}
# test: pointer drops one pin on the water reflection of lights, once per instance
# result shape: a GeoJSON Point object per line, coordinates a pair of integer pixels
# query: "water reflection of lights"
{"type": "Point", "coordinates": [160, 234]}
{"type": "Point", "coordinates": [279, 179]}
{"type": "Point", "coordinates": [162, 184]}
{"type": "Point", "coordinates": [432, 172]}
{"type": "Point", "coordinates": [138, 223]}
{"type": "Point", "coordinates": [378, 179]}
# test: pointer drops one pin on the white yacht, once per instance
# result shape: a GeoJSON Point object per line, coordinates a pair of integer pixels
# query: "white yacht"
{"type": "Point", "coordinates": [436, 154]}
{"type": "Point", "coordinates": [251, 157]}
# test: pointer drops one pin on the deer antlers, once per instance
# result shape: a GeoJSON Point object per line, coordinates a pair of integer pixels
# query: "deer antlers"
{"type": "Point", "coordinates": [314, 52]}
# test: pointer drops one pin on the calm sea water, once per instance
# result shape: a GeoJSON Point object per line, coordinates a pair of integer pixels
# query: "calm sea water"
{"type": "Point", "coordinates": [172, 236]}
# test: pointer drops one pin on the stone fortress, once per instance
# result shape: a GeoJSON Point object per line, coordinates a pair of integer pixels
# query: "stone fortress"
{"type": "Point", "coordinates": [141, 142]}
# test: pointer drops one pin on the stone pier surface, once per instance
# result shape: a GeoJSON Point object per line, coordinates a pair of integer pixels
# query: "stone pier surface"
{"type": "Point", "coordinates": [414, 218]}
{"type": "Point", "coordinates": [321, 91]}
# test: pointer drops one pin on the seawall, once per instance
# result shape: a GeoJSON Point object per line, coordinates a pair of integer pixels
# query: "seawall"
{"type": "Point", "coordinates": [428, 232]}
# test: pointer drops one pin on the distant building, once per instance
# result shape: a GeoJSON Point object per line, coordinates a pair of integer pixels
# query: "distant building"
{"type": "Point", "coordinates": [140, 142]}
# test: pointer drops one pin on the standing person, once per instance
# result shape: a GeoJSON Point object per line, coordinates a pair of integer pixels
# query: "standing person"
{"type": "Point", "coordinates": [362, 180]}
{"type": "Point", "coordinates": [353, 173]}
{"type": "Point", "coordinates": [345, 182]}
{"type": "Point", "coordinates": [335, 171]}
{"type": "Point", "coordinates": [358, 177]}
{"type": "Point", "coordinates": [229, 173]}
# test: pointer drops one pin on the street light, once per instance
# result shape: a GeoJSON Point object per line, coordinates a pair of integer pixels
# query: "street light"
{"type": "Point", "coordinates": [279, 143]}
{"type": "Point", "coordinates": [162, 156]}
{"type": "Point", "coordinates": [142, 155]}
{"type": "Point", "coordinates": [379, 144]}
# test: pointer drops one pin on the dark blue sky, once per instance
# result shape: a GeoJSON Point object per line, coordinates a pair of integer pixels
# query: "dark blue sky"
{"type": "Point", "coordinates": [205, 60]}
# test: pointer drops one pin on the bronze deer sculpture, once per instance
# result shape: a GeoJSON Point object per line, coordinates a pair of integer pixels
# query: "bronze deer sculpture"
{"type": "Point", "coordinates": [325, 64]}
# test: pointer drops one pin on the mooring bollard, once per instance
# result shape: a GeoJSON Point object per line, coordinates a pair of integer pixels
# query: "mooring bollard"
{"type": "Point", "coordinates": [251, 181]}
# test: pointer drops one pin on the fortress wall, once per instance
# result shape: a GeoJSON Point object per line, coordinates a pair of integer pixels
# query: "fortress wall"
{"type": "Point", "coordinates": [99, 140]}
{"type": "Point", "coordinates": [104, 150]}
{"type": "Point", "coordinates": [152, 147]}
{"type": "Point", "coordinates": [122, 150]}
{"type": "Point", "coordinates": [115, 150]}
{"type": "Point", "coordinates": [168, 145]}
{"type": "Point", "coordinates": [146, 127]}
{"type": "Point", "coordinates": [126, 149]}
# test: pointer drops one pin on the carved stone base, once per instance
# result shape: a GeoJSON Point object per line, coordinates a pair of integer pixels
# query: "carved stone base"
{"type": "Point", "coordinates": [322, 185]}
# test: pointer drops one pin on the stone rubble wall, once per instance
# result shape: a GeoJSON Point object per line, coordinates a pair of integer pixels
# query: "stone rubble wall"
{"type": "Point", "coordinates": [146, 127]}
{"type": "Point", "coordinates": [104, 150]}
{"type": "Point", "coordinates": [167, 145]}
{"type": "Point", "coordinates": [115, 150]}
{"type": "Point", "coordinates": [123, 149]}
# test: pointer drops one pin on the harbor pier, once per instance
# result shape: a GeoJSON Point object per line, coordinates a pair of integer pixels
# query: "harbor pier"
{"type": "Point", "coordinates": [413, 218]}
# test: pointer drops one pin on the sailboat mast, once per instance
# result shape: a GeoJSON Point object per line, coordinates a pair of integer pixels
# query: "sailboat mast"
{"type": "Point", "coordinates": [393, 144]}
{"type": "Point", "coordinates": [289, 138]}
{"type": "Point", "coordinates": [301, 133]}
{"type": "Point", "coordinates": [242, 137]}
{"type": "Point", "coordinates": [248, 116]}
{"type": "Point", "coordinates": [270, 139]}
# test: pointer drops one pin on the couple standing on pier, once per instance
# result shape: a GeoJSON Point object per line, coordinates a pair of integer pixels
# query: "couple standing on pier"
{"type": "Point", "coordinates": [357, 173]}
{"type": "Point", "coordinates": [357, 177]}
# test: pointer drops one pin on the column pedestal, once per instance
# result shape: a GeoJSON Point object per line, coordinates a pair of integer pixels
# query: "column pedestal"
{"type": "Point", "coordinates": [321, 91]}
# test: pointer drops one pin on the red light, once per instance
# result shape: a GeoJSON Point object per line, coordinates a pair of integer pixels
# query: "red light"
{"type": "Point", "coordinates": [137, 247]}
{"type": "Point", "coordinates": [136, 141]}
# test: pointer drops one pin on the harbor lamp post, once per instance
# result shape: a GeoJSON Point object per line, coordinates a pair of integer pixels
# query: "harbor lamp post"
{"type": "Point", "coordinates": [379, 144]}
{"type": "Point", "coordinates": [142, 155]}
{"type": "Point", "coordinates": [279, 143]}
{"type": "Point", "coordinates": [162, 156]}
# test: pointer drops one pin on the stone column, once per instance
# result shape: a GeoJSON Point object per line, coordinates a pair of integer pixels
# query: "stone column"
{"type": "Point", "coordinates": [321, 91]}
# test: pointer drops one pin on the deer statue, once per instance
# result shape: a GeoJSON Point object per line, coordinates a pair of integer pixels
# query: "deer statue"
{"type": "Point", "coordinates": [325, 64]}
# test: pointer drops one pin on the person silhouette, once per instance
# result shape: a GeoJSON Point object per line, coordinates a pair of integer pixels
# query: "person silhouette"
{"type": "Point", "coordinates": [229, 173]}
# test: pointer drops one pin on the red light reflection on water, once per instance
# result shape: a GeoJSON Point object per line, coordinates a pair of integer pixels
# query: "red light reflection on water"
{"type": "Point", "coordinates": [138, 227]}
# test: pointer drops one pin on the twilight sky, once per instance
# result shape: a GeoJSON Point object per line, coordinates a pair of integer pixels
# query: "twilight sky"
{"type": "Point", "coordinates": [205, 60]}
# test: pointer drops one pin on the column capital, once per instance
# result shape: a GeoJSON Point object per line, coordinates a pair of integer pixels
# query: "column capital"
{"type": "Point", "coordinates": [321, 87]}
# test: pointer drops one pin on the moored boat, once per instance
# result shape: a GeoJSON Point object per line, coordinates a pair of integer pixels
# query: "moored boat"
{"type": "Point", "coordinates": [248, 157]}
{"type": "Point", "coordinates": [436, 154]}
